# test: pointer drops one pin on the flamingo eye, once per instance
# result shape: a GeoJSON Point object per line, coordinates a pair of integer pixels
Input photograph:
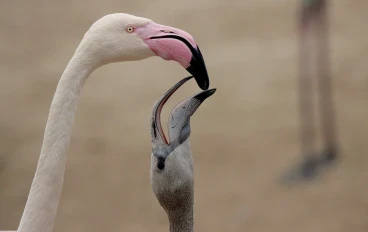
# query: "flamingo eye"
{"type": "Point", "coordinates": [129, 29]}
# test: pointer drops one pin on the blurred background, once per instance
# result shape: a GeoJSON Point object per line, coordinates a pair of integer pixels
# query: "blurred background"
{"type": "Point", "coordinates": [244, 137]}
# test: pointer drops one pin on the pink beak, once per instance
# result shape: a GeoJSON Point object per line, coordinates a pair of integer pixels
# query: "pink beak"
{"type": "Point", "coordinates": [174, 44]}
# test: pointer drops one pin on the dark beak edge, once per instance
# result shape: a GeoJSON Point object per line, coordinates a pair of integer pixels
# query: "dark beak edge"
{"type": "Point", "coordinates": [198, 69]}
{"type": "Point", "coordinates": [204, 94]}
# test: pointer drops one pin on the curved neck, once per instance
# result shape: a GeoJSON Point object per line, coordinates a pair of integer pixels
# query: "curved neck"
{"type": "Point", "coordinates": [181, 220]}
{"type": "Point", "coordinates": [43, 199]}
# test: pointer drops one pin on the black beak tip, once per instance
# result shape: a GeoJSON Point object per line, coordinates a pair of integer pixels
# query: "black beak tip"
{"type": "Point", "coordinates": [211, 91]}
{"type": "Point", "coordinates": [201, 77]}
{"type": "Point", "coordinates": [203, 83]}
{"type": "Point", "coordinates": [198, 69]}
{"type": "Point", "coordinates": [205, 94]}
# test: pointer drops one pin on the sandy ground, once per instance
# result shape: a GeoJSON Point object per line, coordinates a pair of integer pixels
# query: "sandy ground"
{"type": "Point", "coordinates": [243, 138]}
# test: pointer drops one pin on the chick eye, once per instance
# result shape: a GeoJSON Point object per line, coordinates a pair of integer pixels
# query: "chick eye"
{"type": "Point", "coordinates": [129, 29]}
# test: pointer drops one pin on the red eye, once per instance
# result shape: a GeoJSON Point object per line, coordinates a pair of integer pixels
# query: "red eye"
{"type": "Point", "coordinates": [129, 29]}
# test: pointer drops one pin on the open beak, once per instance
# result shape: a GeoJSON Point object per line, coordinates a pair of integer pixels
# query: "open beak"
{"type": "Point", "coordinates": [157, 133]}
{"type": "Point", "coordinates": [179, 115]}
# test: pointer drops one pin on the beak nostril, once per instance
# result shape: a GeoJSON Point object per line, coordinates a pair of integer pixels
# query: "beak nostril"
{"type": "Point", "coordinates": [171, 32]}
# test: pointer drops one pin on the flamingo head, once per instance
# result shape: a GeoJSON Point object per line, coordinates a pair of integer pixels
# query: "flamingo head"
{"type": "Point", "coordinates": [123, 37]}
{"type": "Point", "coordinates": [171, 159]}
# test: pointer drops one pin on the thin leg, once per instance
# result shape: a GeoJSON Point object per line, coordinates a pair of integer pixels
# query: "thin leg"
{"type": "Point", "coordinates": [306, 93]}
{"type": "Point", "coordinates": [327, 108]}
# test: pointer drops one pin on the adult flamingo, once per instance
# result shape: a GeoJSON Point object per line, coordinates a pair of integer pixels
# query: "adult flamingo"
{"type": "Point", "coordinates": [113, 38]}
